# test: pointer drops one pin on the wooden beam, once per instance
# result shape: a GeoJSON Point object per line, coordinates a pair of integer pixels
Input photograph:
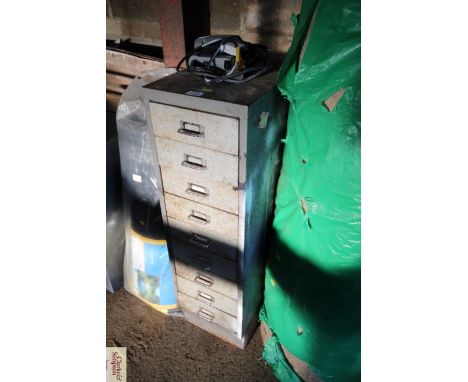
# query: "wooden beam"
{"type": "Point", "coordinates": [132, 65]}
{"type": "Point", "coordinates": [172, 31]}
{"type": "Point", "coordinates": [121, 69]}
{"type": "Point", "coordinates": [112, 101]}
{"type": "Point", "coordinates": [117, 82]}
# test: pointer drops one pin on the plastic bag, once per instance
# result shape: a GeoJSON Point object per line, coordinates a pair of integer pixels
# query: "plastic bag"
{"type": "Point", "coordinates": [147, 270]}
{"type": "Point", "coordinates": [115, 232]}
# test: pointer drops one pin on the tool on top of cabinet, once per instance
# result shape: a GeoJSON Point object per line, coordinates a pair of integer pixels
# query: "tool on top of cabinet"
{"type": "Point", "coordinates": [227, 58]}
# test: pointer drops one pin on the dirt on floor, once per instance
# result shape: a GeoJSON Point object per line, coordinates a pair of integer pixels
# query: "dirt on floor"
{"type": "Point", "coordinates": [162, 348]}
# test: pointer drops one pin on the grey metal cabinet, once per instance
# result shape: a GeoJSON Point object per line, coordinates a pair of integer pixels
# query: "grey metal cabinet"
{"type": "Point", "coordinates": [218, 152]}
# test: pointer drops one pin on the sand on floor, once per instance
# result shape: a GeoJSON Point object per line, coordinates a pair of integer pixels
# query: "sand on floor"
{"type": "Point", "coordinates": [162, 348]}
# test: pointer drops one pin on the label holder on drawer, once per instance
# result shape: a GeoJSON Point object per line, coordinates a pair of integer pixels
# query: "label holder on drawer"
{"type": "Point", "coordinates": [200, 240]}
{"type": "Point", "coordinates": [206, 314]}
{"type": "Point", "coordinates": [191, 129]}
{"type": "Point", "coordinates": [199, 217]}
{"type": "Point", "coordinates": [204, 280]}
{"type": "Point", "coordinates": [197, 190]}
{"type": "Point", "coordinates": [193, 162]}
{"type": "Point", "coordinates": [205, 297]}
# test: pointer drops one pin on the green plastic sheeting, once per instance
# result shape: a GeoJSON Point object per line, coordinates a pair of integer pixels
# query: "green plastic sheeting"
{"type": "Point", "coordinates": [312, 284]}
{"type": "Point", "coordinates": [273, 354]}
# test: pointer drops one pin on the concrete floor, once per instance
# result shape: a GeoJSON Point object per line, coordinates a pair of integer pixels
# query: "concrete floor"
{"type": "Point", "coordinates": [161, 348]}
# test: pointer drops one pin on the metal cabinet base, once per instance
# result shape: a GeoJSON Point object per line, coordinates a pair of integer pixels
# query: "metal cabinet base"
{"type": "Point", "coordinates": [218, 153]}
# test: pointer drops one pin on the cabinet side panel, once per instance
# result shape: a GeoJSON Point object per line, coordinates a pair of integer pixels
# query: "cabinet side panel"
{"type": "Point", "coordinates": [266, 126]}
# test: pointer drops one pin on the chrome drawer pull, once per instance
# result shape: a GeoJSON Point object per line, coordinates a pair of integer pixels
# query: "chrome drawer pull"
{"type": "Point", "coordinates": [199, 217]}
{"type": "Point", "coordinates": [191, 129]}
{"type": "Point", "coordinates": [204, 280]}
{"type": "Point", "coordinates": [202, 262]}
{"type": "Point", "coordinates": [204, 296]}
{"type": "Point", "coordinates": [206, 314]}
{"type": "Point", "coordinates": [196, 190]}
{"type": "Point", "coordinates": [194, 162]}
{"type": "Point", "coordinates": [200, 240]}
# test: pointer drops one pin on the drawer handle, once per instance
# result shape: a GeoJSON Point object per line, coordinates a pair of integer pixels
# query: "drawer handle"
{"type": "Point", "coordinates": [206, 314]}
{"type": "Point", "coordinates": [199, 217]}
{"type": "Point", "coordinates": [194, 162]}
{"type": "Point", "coordinates": [191, 129]}
{"type": "Point", "coordinates": [196, 190]}
{"type": "Point", "coordinates": [204, 280]}
{"type": "Point", "coordinates": [202, 262]}
{"type": "Point", "coordinates": [202, 296]}
{"type": "Point", "coordinates": [200, 240]}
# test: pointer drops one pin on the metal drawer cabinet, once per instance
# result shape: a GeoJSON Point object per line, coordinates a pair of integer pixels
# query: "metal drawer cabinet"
{"type": "Point", "coordinates": [217, 154]}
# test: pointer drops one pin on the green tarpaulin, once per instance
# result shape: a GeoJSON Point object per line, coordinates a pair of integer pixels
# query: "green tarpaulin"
{"type": "Point", "coordinates": [312, 284]}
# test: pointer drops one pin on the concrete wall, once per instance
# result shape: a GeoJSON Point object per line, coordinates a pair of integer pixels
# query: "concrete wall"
{"type": "Point", "coordinates": [260, 21]}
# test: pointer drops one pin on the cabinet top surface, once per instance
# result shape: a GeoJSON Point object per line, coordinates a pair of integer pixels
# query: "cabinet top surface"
{"type": "Point", "coordinates": [191, 85]}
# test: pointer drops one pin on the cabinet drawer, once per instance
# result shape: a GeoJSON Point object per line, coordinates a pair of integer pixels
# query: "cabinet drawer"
{"type": "Point", "coordinates": [207, 312]}
{"type": "Point", "coordinates": [222, 225]}
{"type": "Point", "coordinates": [203, 239]}
{"type": "Point", "coordinates": [189, 160]}
{"type": "Point", "coordinates": [196, 128]}
{"type": "Point", "coordinates": [207, 296]}
{"type": "Point", "coordinates": [202, 190]}
{"type": "Point", "coordinates": [206, 269]}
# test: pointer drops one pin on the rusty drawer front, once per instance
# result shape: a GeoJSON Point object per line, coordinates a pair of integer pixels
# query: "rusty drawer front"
{"type": "Point", "coordinates": [206, 269]}
{"type": "Point", "coordinates": [207, 312]}
{"type": "Point", "coordinates": [222, 225]}
{"type": "Point", "coordinates": [197, 128]}
{"type": "Point", "coordinates": [203, 239]}
{"type": "Point", "coordinates": [207, 296]}
{"type": "Point", "coordinates": [190, 160]}
{"type": "Point", "coordinates": [191, 186]}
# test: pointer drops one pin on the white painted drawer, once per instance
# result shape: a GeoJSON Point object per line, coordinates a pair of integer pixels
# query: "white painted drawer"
{"type": "Point", "coordinates": [200, 189]}
{"type": "Point", "coordinates": [207, 296]}
{"type": "Point", "coordinates": [196, 128]}
{"type": "Point", "coordinates": [220, 224]}
{"type": "Point", "coordinates": [190, 160]}
{"type": "Point", "coordinates": [206, 269]}
{"type": "Point", "coordinates": [203, 239]}
{"type": "Point", "coordinates": [207, 312]}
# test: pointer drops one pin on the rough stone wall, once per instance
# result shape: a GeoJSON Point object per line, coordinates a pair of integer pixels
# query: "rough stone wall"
{"type": "Point", "coordinates": [266, 22]}
{"type": "Point", "coordinates": [137, 20]}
